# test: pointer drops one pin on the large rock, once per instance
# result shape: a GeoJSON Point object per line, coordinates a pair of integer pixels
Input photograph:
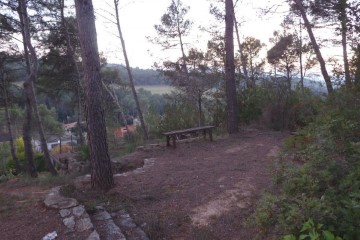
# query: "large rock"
{"type": "Point", "coordinates": [78, 211]}
{"type": "Point", "coordinates": [69, 222]}
{"type": "Point", "coordinates": [56, 201]}
{"type": "Point", "coordinates": [94, 236]}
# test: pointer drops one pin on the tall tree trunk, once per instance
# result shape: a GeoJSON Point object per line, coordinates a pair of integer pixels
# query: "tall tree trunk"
{"type": "Point", "coordinates": [315, 45]}
{"type": "Point", "coordinates": [344, 19]}
{"type": "Point", "coordinates": [101, 173]}
{"type": "Point", "coordinates": [32, 65]}
{"type": "Point", "coordinates": [8, 123]}
{"type": "Point", "coordinates": [117, 103]}
{"type": "Point", "coordinates": [71, 55]}
{"type": "Point", "coordinates": [301, 56]}
{"type": "Point", "coordinates": [232, 108]}
{"type": "Point", "coordinates": [29, 155]}
{"type": "Point", "coordinates": [357, 65]}
{"type": "Point", "coordinates": [242, 57]}
{"type": "Point", "coordinates": [38, 121]}
{"type": "Point", "coordinates": [143, 126]}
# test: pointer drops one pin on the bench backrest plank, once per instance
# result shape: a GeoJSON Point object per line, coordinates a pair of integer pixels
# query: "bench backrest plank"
{"type": "Point", "coordinates": [189, 130]}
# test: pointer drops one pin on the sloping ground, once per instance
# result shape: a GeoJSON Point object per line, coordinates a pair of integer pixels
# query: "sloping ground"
{"type": "Point", "coordinates": [201, 189]}
{"type": "Point", "coordinates": [23, 215]}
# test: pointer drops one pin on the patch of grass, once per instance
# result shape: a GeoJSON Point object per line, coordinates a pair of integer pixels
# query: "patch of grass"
{"type": "Point", "coordinates": [155, 227]}
{"type": "Point", "coordinates": [45, 179]}
{"type": "Point", "coordinates": [10, 204]}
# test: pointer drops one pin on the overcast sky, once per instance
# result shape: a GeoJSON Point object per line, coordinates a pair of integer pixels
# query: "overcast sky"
{"type": "Point", "coordinates": [138, 18]}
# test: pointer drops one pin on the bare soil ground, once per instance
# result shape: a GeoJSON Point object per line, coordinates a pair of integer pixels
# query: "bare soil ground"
{"type": "Point", "coordinates": [200, 190]}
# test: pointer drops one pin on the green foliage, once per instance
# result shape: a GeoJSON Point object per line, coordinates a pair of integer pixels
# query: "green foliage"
{"type": "Point", "coordinates": [288, 110]}
{"type": "Point", "coordinates": [273, 104]}
{"type": "Point", "coordinates": [319, 173]}
{"type": "Point", "coordinates": [178, 114]}
{"type": "Point", "coordinates": [4, 154]}
{"type": "Point", "coordinates": [83, 153]}
{"type": "Point", "coordinates": [251, 105]}
{"type": "Point", "coordinates": [132, 140]}
{"type": "Point", "coordinates": [313, 231]}
{"type": "Point", "coordinates": [39, 159]}
{"type": "Point", "coordinates": [49, 120]}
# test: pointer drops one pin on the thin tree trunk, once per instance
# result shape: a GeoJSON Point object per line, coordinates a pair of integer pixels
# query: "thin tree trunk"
{"type": "Point", "coordinates": [143, 126]}
{"type": "Point", "coordinates": [38, 121]}
{"type": "Point", "coordinates": [242, 57]}
{"type": "Point", "coordinates": [301, 57]}
{"type": "Point", "coordinates": [32, 74]}
{"type": "Point", "coordinates": [357, 65]}
{"type": "Point", "coordinates": [71, 54]}
{"type": "Point", "coordinates": [117, 103]}
{"type": "Point", "coordinates": [101, 173]}
{"type": "Point", "coordinates": [315, 46]}
{"type": "Point", "coordinates": [8, 123]}
{"type": "Point", "coordinates": [232, 108]}
{"type": "Point", "coordinates": [343, 17]}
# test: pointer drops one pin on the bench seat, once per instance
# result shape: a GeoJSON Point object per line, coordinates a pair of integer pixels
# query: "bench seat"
{"type": "Point", "coordinates": [174, 134]}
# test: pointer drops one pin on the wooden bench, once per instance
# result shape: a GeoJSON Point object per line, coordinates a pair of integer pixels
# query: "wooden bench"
{"type": "Point", "coordinates": [175, 134]}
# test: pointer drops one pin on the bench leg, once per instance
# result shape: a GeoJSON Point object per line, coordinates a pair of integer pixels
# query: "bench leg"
{"type": "Point", "coordinates": [204, 131]}
{"type": "Point", "coordinates": [210, 135]}
{"type": "Point", "coordinates": [174, 141]}
{"type": "Point", "coordinates": [168, 141]}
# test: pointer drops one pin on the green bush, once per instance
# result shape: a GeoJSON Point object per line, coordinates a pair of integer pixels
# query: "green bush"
{"type": "Point", "coordinates": [39, 159]}
{"type": "Point", "coordinates": [4, 155]}
{"type": "Point", "coordinates": [313, 231]}
{"type": "Point", "coordinates": [319, 173]}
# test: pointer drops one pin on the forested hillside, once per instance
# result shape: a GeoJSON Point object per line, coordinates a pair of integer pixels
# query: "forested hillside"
{"type": "Point", "coordinates": [141, 76]}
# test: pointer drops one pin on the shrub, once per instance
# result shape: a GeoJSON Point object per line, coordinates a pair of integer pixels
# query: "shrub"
{"type": "Point", "coordinates": [65, 148]}
{"type": "Point", "coordinates": [4, 155]}
{"type": "Point", "coordinates": [325, 184]}
{"type": "Point", "coordinates": [313, 231]}
{"type": "Point", "coordinates": [39, 159]}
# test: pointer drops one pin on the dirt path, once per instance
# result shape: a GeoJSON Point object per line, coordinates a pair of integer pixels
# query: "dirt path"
{"type": "Point", "coordinates": [202, 190]}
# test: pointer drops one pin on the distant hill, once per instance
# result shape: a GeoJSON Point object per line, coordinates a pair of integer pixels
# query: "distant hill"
{"type": "Point", "coordinates": [141, 76]}
{"type": "Point", "coordinates": [314, 82]}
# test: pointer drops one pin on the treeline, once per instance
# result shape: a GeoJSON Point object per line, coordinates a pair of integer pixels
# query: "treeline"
{"type": "Point", "coordinates": [141, 76]}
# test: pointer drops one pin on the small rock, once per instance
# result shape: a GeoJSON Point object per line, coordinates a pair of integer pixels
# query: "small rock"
{"type": "Point", "coordinates": [99, 208]}
{"type": "Point", "coordinates": [78, 211]}
{"type": "Point", "coordinates": [102, 215]}
{"type": "Point", "coordinates": [94, 236]}
{"type": "Point", "coordinates": [50, 236]}
{"type": "Point", "coordinates": [113, 231]}
{"type": "Point", "coordinates": [65, 212]}
{"type": "Point", "coordinates": [128, 223]}
{"type": "Point", "coordinates": [84, 224]}
{"type": "Point", "coordinates": [69, 222]}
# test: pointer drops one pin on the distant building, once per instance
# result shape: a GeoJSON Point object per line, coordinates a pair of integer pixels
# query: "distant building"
{"type": "Point", "coordinates": [70, 126]}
